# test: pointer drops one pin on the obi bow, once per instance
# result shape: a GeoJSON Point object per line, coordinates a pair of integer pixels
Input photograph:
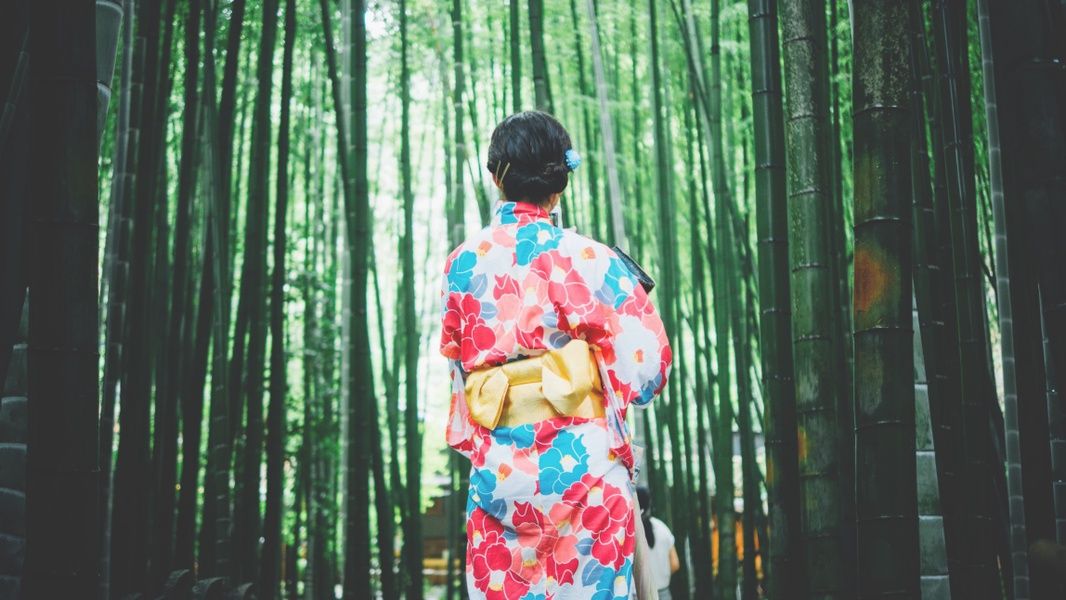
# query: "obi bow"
{"type": "Point", "coordinates": [560, 382]}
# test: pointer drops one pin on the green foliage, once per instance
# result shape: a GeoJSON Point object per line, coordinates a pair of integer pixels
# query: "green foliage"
{"type": "Point", "coordinates": [743, 182]}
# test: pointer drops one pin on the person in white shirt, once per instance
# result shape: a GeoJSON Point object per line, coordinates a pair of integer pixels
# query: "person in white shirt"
{"type": "Point", "coordinates": [662, 555]}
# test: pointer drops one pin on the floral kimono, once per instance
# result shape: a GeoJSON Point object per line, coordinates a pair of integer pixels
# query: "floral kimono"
{"type": "Point", "coordinates": [549, 511]}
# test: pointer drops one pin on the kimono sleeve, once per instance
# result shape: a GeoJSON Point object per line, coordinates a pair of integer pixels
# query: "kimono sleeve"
{"type": "Point", "coordinates": [621, 320]}
{"type": "Point", "coordinates": [459, 431]}
{"type": "Point", "coordinates": [451, 327]}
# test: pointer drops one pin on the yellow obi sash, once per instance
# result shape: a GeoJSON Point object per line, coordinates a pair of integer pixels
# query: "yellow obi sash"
{"type": "Point", "coordinates": [561, 382]}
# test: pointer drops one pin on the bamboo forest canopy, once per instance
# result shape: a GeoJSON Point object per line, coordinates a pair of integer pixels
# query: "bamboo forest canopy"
{"type": "Point", "coordinates": [223, 226]}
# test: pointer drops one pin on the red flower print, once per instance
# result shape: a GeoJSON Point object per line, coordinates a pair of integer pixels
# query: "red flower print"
{"type": "Point", "coordinates": [507, 294]}
{"type": "Point", "coordinates": [567, 512]}
{"type": "Point", "coordinates": [451, 324]}
{"type": "Point", "coordinates": [545, 431]}
{"type": "Point", "coordinates": [487, 550]}
{"type": "Point", "coordinates": [482, 336]}
{"type": "Point", "coordinates": [469, 305]}
{"type": "Point", "coordinates": [505, 285]}
{"type": "Point", "coordinates": [530, 334]}
{"type": "Point", "coordinates": [528, 524]}
{"type": "Point", "coordinates": [567, 289]}
{"type": "Point", "coordinates": [477, 336]}
{"type": "Point", "coordinates": [607, 522]}
{"type": "Point", "coordinates": [510, 588]}
{"type": "Point", "coordinates": [562, 560]}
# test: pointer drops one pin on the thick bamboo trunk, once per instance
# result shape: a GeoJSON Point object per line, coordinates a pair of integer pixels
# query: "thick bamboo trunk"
{"type": "Point", "coordinates": [14, 128]}
{"type": "Point", "coordinates": [786, 573]}
{"type": "Point", "coordinates": [976, 385]}
{"type": "Point", "coordinates": [1027, 45]}
{"type": "Point", "coordinates": [817, 350]}
{"type": "Point", "coordinates": [62, 470]}
{"type": "Point", "coordinates": [886, 497]}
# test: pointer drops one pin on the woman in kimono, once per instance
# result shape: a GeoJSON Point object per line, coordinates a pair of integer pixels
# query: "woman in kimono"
{"type": "Point", "coordinates": [550, 339]}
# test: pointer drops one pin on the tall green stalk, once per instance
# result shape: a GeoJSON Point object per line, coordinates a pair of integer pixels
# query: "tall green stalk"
{"type": "Point", "coordinates": [541, 83]}
{"type": "Point", "coordinates": [1020, 585]}
{"type": "Point", "coordinates": [977, 388]}
{"type": "Point", "coordinates": [785, 577]}
{"type": "Point", "coordinates": [816, 347]}
{"type": "Point", "coordinates": [412, 435]}
{"type": "Point", "coordinates": [361, 375]}
{"type": "Point", "coordinates": [515, 28]}
{"type": "Point", "coordinates": [276, 422]}
{"type": "Point", "coordinates": [885, 468]}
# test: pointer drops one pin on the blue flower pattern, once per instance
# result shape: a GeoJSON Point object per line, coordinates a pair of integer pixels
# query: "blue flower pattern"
{"type": "Point", "coordinates": [461, 272]}
{"type": "Point", "coordinates": [482, 486]}
{"type": "Point", "coordinates": [557, 473]}
{"type": "Point", "coordinates": [533, 239]}
{"type": "Point", "coordinates": [613, 290]}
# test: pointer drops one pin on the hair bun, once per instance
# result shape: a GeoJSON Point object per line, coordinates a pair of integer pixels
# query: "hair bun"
{"type": "Point", "coordinates": [554, 169]}
{"type": "Point", "coordinates": [526, 154]}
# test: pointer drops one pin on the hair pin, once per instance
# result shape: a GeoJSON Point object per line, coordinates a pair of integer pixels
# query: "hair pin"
{"type": "Point", "coordinates": [573, 159]}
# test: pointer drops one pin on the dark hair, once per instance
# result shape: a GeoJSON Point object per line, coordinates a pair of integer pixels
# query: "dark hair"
{"type": "Point", "coordinates": [527, 153]}
{"type": "Point", "coordinates": [644, 496]}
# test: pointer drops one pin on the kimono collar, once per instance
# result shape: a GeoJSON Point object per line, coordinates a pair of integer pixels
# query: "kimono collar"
{"type": "Point", "coordinates": [509, 213]}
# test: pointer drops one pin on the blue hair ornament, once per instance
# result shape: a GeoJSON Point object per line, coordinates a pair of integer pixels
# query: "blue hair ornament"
{"type": "Point", "coordinates": [573, 159]}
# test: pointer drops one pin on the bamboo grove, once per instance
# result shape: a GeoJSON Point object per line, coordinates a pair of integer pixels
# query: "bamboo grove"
{"type": "Point", "coordinates": [221, 248]}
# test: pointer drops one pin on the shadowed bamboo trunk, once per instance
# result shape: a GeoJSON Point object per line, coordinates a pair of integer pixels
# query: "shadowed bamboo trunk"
{"type": "Point", "coordinates": [1005, 309]}
{"type": "Point", "coordinates": [198, 345]}
{"type": "Point", "coordinates": [723, 270]}
{"type": "Point", "coordinates": [215, 541]}
{"type": "Point", "coordinates": [108, 21]}
{"type": "Point", "coordinates": [976, 383]}
{"type": "Point", "coordinates": [1026, 41]}
{"type": "Point", "coordinates": [169, 378]}
{"type": "Point", "coordinates": [1057, 416]}
{"type": "Point", "coordinates": [541, 84]}
{"type": "Point", "coordinates": [247, 526]}
{"type": "Point", "coordinates": [812, 288]}
{"type": "Point", "coordinates": [412, 437]}
{"type": "Point", "coordinates": [701, 516]}
{"type": "Point", "coordinates": [270, 561]}
{"type": "Point", "coordinates": [933, 297]}
{"type": "Point", "coordinates": [116, 270]}
{"type": "Point", "coordinates": [62, 471]}
{"type": "Point", "coordinates": [1027, 35]}
{"type": "Point", "coordinates": [935, 582]}
{"type": "Point", "coordinates": [785, 577]}
{"type": "Point", "coordinates": [129, 526]}
{"type": "Point", "coordinates": [360, 376]}
{"type": "Point", "coordinates": [14, 128]}
{"type": "Point", "coordinates": [885, 468]}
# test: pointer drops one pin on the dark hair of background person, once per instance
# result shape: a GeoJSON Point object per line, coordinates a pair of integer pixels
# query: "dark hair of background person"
{"type": "Point", "coordinates": [644, 496]}
{"type": "Point", "coordinates": [534, 144]}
